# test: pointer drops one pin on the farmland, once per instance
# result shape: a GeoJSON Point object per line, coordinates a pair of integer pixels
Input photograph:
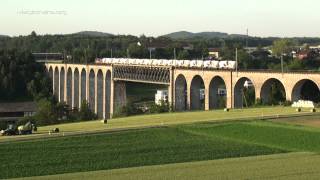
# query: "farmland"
{"type": "Point", "coordinates": [163, 120]}
{"type": "Point", "coordinates": [159, 146]}
{"type": "Point", "coordinates": [280, 166]}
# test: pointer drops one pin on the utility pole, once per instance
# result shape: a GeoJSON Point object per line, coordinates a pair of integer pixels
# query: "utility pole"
{"type": "Point", "coordinates": [282, 64]}
{"type": "Point", "coordinates": [150, 53]}
{"type": "Point", "coordinates": [247, 37]}
{"type": "Point", "coordinates": [174, 53]}
{"type": "Point", "coordinates": [111, 52]}
{"type": "Point", "coordinates": [85, 55]}
{"type": "Point", "coordinates": [237, 61]}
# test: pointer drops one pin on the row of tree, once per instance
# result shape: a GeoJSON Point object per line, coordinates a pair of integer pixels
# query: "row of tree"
{"type": "Point", "coordinates": [21, 77]}
{"type": "Point", "coordinates": [85, 48]}
{"type": "Point", "coordinates": [52, 112]}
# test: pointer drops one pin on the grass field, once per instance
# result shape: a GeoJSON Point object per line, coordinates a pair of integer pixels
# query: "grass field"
{"type": "Point", "coordinates": [311, 121]}
{"type": "Point", "coordinates": [177, 118]}
{"type": "Point", "coordinates": [118, 150]}
{"type": "Point", "coordinates": [291, 138]}
{"type": "Point", "coordinates": [293, 166]}
{"type": "Point", "coordinates": [158, 146]}
{"type": "Point", "coordinates": [162, 120]}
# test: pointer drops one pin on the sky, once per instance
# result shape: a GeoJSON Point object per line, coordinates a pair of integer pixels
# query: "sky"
{"type": "Point", "coordinates": [265, 18]}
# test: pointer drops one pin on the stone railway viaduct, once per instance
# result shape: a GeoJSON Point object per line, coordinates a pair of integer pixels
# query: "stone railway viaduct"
{"type": "Point", "coordinates": [103, 85]}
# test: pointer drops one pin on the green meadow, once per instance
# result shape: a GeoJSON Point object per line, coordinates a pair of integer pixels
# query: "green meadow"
{"type": "Point", "coordinates": [155, 146]}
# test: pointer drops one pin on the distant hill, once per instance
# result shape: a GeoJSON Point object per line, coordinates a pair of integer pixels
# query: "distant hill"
{"type": "Point", "coordinates": [206, 35]}
{"type": "Point", "coordinates": [93, 33]}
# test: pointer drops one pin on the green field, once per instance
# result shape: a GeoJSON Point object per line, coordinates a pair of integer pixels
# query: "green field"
{"type": "Point", "coordinates": [293, 166]}
{"type": "Point", "coordinates": [163, 120]}
{"type": "Point", "coordinates": [155, 146]}
{"type": "Point", "coordinates": [177, 118]}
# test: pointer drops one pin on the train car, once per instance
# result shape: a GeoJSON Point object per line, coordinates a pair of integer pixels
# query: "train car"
{"type": "Point", "coordinates": [231, 65]}
{"type": "Point", "coordinates": [108, 60]}
{"type": "Point", "coordinates": [172, 63]}
{"type": "Point", "coordinates": [132, 61]}
{"type": "Point", "coordinates": [214, 64]}
{"type": "Point", "coordinates": [199, 63]}
{"type": "Point", "coordinates": [207, 64]}
{"type": "Point", "coordinates": [155, 62]}
{"type": "Point", "coordinates": [223, 64]}
{"type": "Point", "coordinates": [123, 61]}
{"type": "Point", "coordinates": [186, 63]}
{"type": "Point", "coordinates": [115, 61]}
{"type": "Point", "coordinates": [147, 62]}
{"type": "Point", "coordinates": [193, 63]}
{"type": "Point", "coordinates": [139, 61]}
{"type": "Point", "coordinates": [179, 63]}
{"type": "Point", "coordinates": [98, 60]}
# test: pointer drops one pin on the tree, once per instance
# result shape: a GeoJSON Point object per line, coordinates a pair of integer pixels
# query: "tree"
{"type": "Point", "coordinates": [184, 54]}
{"type": "Point", "coordinates": [245, 61]}
{"type": "Point", "coordinates": [45, 112]}
{"type": "Point", "coordinates": [85, 112]}
{"type": "Point", "coordinates": [137, 51]}
{"type": "Point", "coordinates": [33, 34]}
{"type": "Point", "coordinates": [21, 77]}
{"type": "Point", "coordinates": [282, 46]}
{"type": "Point", "coordinates": [296, 65]}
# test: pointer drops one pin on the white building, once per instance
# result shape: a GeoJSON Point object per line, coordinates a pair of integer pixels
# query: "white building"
{"type": "Point", "coordinates": [161, 96]}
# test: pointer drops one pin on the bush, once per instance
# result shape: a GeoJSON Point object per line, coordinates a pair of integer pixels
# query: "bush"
{"type": "Point", "coordinates": [129, 109]}
{"type": "Point", "coordinates": [287, 103]}
{"type": "Point", "coordinates": [159, 108]}
{"type": "Point", "coordinates": [259, 102]}
{"type": "Point", "coordinates": [46, 113]}
{"type": "Point", "coordinates": [222, 102]}
{"type": "Point", "coordinates": [85, 112]}
{"type": "Point", "coordinates": [3, 125]}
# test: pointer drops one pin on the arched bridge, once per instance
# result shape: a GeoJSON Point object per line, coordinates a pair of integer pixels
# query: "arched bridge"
{"type": "Point", "coordinates": [103, 86]}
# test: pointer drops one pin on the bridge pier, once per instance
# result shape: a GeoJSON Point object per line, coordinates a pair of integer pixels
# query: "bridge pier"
{"type": "Point", "coordinates": [110, 96]}
{"type": "Point", "coordinates": [207, 98]}
{"type": "Point", "coordinates": [188, 105]}
{"type": "Point", "coordinates": [120, 95]}
{"type": "Point", "coordinates": [65, 84]}
{"type": "Point", "coordinates": [171, 90]}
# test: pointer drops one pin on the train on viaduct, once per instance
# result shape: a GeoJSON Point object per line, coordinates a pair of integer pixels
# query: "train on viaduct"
{"type": "Point", "coordinates": [103, 85]}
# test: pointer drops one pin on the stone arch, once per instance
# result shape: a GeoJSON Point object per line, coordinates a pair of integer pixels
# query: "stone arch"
{"type": "Point", "coordinates": [217, 93]}
{"type": "Point", "coordinates": [69, 87]}
{"type": "Point", "coordinates": [92, 90]}
{"type": "Point", "coordinates": [306, 89]}
{"type": "Point", "coordinates": [180, 93]}
{"type": "Point", "coordinates": [100, 94]}
{"type": "Point", "coordinates": [56, 83]}
{"type": "Point", "coordinates": [83, 82]}
{"type": "Point", "coordinates": [197, 96]}
{"type": "Point", "coordinates": [76, 103]}
{"type": "Point", "coordinates": [62, 79]}
{"type": "Point", "coordinates": [268, 87]}
{"type": "Point", "coordinates": [50, 71]}
{"type": "Point", "coordinates": [108, 95]}
{"type": "Point", "coordinates": [244, 92]}
{"type": "Point", "coordinates": [51, 75]}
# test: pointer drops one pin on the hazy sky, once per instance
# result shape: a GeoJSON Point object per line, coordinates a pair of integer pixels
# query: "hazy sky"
{"type": "Point", "coordinates": [158, 17]}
